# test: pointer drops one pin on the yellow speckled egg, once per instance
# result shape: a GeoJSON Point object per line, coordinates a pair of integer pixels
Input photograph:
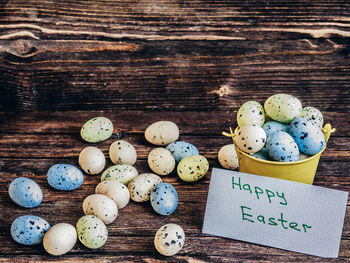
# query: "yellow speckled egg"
{"type": "Point", "coordinates": [141, 186]}
{"type": "Point", "coordinates": [162, 133]}
{"type": "Point", "coordinates": [60, 239]}
{"type": "Point", "coordinates": [193, 168]}
{"type": "Point", "coordinates": [251, 112]}
{"type": "Point", "coordinates": [123, 173]}
{"type": "Point", "coordinates": [122, 152]}
{"type": "Point", "coordinates": [92, 232]}
{"type": "Point", "coordinates": [228, 157]}
{"type": "Point", "coordinates": [101, 206]}
{"type": "Point", "coordinates": [92, 160]}
{"type": "Point", "coordinates": [161, 161]}
{"type": "Point", "coordinates": [283, 107]}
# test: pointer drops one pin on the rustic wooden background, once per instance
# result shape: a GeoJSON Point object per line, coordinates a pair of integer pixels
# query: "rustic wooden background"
{"type": "Point", "coordinates": [138, 61]}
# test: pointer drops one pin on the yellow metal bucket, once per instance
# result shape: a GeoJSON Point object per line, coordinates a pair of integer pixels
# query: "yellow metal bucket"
{"type": "Point", "coordinates": [302, 171]}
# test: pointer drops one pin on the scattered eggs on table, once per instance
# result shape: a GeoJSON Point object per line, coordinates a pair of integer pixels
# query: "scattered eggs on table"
{"type": "Point", "coordinates": [162, 133]}
{"type": "Point", "coordinates": [123, 173]}
{"type": "Point", "coordinates": [251, 138]}
{"type": "Point", "coordinates": [192, 168]}
{"type": "Point", "coordinates": [25, 192]}
{"type": "Point", "coordinates": [169, 239]}
{"type": "Point", "coordinates": [142, 185]}
{"type": "Point", "coordinates": [314, 115]}
{"type": "Point", "coordinates": [181, 149]}
{"type": "Point", "coordinates": [60, 239]}
{"type": "Point", "coordinates": [116, 191]}
{"type": "Point", "coordinates": [274, 126]}
{"type": "Point", "coordinates": [122, 152]}
{"type": "Point", "coordinates": [65, 177]}
{"type": "Point", "coordinates": [29, 229]}
{"type": "Point", "coordinates": [92, 160]}
{"type": "Point", "coordinates": [251, 112]}
{"type": "Point", "coordinates": [283, 107]}
{"type": "Point", "coordinates": [91, 231]}
{"type": "Point", "coordinates": [227, 157]}
{"type": "Point", "coordinates": [101, 206]}
{"type": "Point", "coordinates": [282, 147]}
{"type": "Point", "coordinates": [164, 199]}
{"type": "Point", "coordinates": [161, 161]}
{"type": "Point", "coordinates": [97, 129]}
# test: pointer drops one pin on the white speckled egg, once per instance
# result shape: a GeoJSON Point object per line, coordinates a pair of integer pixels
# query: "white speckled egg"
{"type": "Point", "coordinates": [141, 186]}
{"type": "Point", "coordinates": [314, 115]}
{"type": "Point", "coordinates": [169, 239]}
{"type": "Point", "coordinates": [60, 239]}
{"type": "Point", "coordinates": [92, 160]}
{"type": "Point", "coordinates": [123, 173]}
{"type": "Point", "coordinates": [92, 232]}
{"type": "Point", "coordinates": [161, 161]}
{"type": "Point", "coordinates": [97, 129]}
{"type": "Point", "coordinates": [192, 168]}
{"type": "Point", "coordinates": [101, 206]}
{"type": "Point", "coordinates": [162, 133]}
{"type": "Point", "coordinates": [251, 112]}
{"type": "Point", "coordinates": [251, 138]}
{"type": "Point", "coordinates": [25, 192]}
{"type": "Point", "coordinates": [303, 156]}
{"type": "Point", "coordinates": [283, 107]}
{"type": "Point", "coordinates": [282, 147]}
{"type": "Point", "coordinates": [228, 157]}
{"type": "Point", "coordinates": [116, 191]}
{"type": "Point", "coordinates": [122, 152]}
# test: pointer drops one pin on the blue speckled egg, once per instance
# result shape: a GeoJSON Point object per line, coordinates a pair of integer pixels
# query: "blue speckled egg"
{"type": "Point", "coordinates": [181, 149]}
{"type": "Point", "coordinates": [307, 135]}
{"type": "Point", "coordinates": [282, 147]}
{"type": "Point", "coordinates": [274, 126]}
{"type": "Point", "coordinates": [64, 177]}
{"type": "Point", "coordinates": [25, 192]}
{"type": "Point", "coordinates": [164, 199]}
{"type": "Point", "coordinates": [29, 229]}
{"type": "Point", "coordinates": [263, 154]}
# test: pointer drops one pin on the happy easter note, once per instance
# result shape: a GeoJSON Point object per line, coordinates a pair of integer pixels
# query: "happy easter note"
{"type": "Point", "coordinates": [277, 213]}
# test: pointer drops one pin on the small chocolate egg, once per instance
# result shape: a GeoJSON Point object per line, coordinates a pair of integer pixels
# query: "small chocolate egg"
{"type": "Point", "coordinates": [169, 239]}
{"type": "Point", "coordinates": [142, 185]}
{"type": "Point", "coordinates": [92, 160]}
{"type": "Point", "coordinates": [101, 206]}
{"type": "Point", "coordinates": [251, 138]}
{"type": "Point", "coordinates": [251, 112]}
{"type": "Point", "coordinates": [282, 147]}
{"type": "Point", "coordinates": [60, 239]}
{"type": "Point", "coordinates": [164, 199]}
{"type": "Point", "coordinates": [283, 107]}
{"type": "Point", "coordinates": [162, 133]}
{"type": "Point", "coordinates": [97, 129]}
{"type": "Point", "coordinates": [274, 126]}
{"type": "Point", "coordinates": [64, 177]}
{"type": "Point", "coordinates": [228, 157]}
{"type": "Point", "coordinates": [307, 135]}
{"type": "Point", "coordinates": [161, 161]}
{"type": "Point", "coordinates": [122, 152]}
{"type": "Point", "coordinates": [116, 191]}
{"type": "Point", "coordinates": [314, 115]}
{"type": "Point", "coordinates": [123, 173]}
{"type": "Point", "coordinates": [29, 229]}
{"type": "Point", "coordinates": [92, 232]}
{"type": "Point", "coordinates": [25, 192]}
{"type": "Point", "coordinates": [181, 149]}
{"type": "Point", "coordinates": [192, 168]}
{"type": "Point", "coordinates": [263, 154]}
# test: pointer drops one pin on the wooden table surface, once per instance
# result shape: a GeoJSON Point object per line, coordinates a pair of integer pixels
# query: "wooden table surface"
{"type": "Point", "coordinates": [139, 61]}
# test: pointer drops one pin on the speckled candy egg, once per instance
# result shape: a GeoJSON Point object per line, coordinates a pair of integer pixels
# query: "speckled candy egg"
{"type": "Point", "coordinates": [122, 152]}
{"type": "Point", "coordinates": [263, 154]}
{"type": "Point", "coordinates": [169, 239]}
{"type": "Point", "coordinates": [251, 138]}
{"type": "Point", "coordinates": [162, 133]}
{"type": "Point", "coordinates": [303, 156]}
{"type": "Point", "coordinates": [274, 126]}
{"type": "Point", "coordinates": [180, 150]}
{"type": "Point", "coordinates": [314, 115]}
{"type": "Point", "coordinates": [92, 232]}
{"type": "Point", "coordinates": [141, 186]}
{"type": "Point", "coordinates": [116, 191]}
{"type": "Point", "coordinates": [29, 229]}
{"type": "Point", "coordinates": [164, 199]}
{"type": "Point", "coordinates": [161, 161]}
{"type": "Point", "coordinates": [228, 157]}
{"type": "Point", "coordinates": [92, 160]}
{"type": "Point", "coordinates": [282, 147]}
{"type": "Point", "coordinates": [25, 192]}
{"type": "Point", "coordinates": [307, 135]}
{"type": "Point", "coordinates": [283, 107]}
{"type": "Point", "coordinates": [60, 239]}
{"type": "Point", "coordinates": [251, 112]}
{"type": "Point", "coordinates": [65, 177]}
{"type": "Point", "coordinates": [193, 168]}
{"type": "Point", "coordinates": [123, 173]}
{"type": "Point", "coordinates": [97, 129]}
{"type": "Point", "coordinates": [101, 206]}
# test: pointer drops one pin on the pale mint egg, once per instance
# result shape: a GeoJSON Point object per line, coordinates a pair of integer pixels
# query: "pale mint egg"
{"type": "Point", "coordinates": [92, 232]}
{"type": "Point", "coordinates": [251, 112]}
{"type": "Point", "coordinates": [123, 173]}
{"type": "Point", "coordinates": [141, 186]}
{"type": "Point", "coordinates": [283, 107]}
{"type": "Point", "coordinates": [250, 138]}
{"type": "Point", "coordinates": [314, 115]}
{"type": "Point", "coordinates": [169, 239]}
{"type": "Point", "coordinates": [192, 168]}
{"type": "Point", "coordinates": [97, 129]}
{"type": "Point", "coordinates": [162, 133]}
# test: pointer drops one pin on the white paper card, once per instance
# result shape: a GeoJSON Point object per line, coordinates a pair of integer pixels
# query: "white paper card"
{"type": "Point", "coordinates": [277, 213]}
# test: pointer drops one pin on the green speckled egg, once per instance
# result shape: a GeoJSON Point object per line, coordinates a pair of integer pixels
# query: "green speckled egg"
{"type": "Point", "coordinates": [97, 129]}
{"type": "Point", "coordinates": [251, 112]}
{"type": "Point", "coordinates": [283, 107]}
{"type": "Point", "coordinates": [192, 168]}
{"type": "Point", "coordinates": [91, 231]}
{"type": "Point", "coordinates": [123, 173]}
